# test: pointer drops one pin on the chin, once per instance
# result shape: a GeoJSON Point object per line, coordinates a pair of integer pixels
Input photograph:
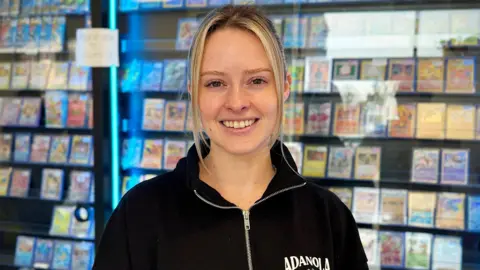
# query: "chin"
{"type": "Point", "coordinates": [243, 146]}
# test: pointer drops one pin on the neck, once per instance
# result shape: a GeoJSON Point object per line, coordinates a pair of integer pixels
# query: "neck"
{"type": "Point", "coordinates": [242, 180]}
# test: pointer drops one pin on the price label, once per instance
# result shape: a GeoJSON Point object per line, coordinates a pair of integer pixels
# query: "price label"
{"type": "Point", "coordinates": [97, 47]}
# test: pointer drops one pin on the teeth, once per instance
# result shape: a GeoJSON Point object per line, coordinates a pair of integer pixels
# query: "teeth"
{"type": "Point", "coordinates": [238, 124]}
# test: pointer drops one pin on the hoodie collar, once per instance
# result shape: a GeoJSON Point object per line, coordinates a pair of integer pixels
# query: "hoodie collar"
{"type": "Point", "coordinates": [284, 179]}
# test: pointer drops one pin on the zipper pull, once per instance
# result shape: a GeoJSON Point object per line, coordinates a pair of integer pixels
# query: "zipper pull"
{"type": "Point", "coordinates": [246, 219]}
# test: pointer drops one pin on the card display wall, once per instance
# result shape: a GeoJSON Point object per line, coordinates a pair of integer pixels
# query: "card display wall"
{"type": "Point", "coordinates": [46, 138]}
{"type": "Point", "coordinates": [384, 112]}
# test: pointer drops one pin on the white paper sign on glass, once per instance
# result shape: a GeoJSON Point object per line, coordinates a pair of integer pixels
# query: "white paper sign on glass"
{"type": "Point", "coordinates": [97, 47]}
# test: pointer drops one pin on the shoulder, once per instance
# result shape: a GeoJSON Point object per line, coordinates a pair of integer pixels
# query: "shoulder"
{"type": "Point", "coordinates": [329, 204]}
{"type": "Point", "coordinates": [154, 191]}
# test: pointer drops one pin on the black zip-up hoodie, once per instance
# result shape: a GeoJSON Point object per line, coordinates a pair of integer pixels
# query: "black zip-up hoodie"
{"type": "Point", "coordinates": [177, 222]}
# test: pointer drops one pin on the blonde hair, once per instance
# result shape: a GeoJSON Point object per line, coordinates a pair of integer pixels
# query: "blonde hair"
{"type": "Point", "coordinates": [247, 18]}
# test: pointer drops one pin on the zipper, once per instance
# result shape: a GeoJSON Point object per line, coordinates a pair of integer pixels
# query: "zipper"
{"type": "Point", "coordinates": [246, 217]}
{"type": "Point", "coordinates": [246, 222]}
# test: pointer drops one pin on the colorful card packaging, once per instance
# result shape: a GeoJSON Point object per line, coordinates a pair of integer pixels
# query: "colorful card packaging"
{"type": "Point", "coordinates": [346, 70]}
{"type": "Point", "coordinates": [5, 73]}
{"type": "Point", "coordinates": [77, 110]}
{"type": "Point", "coordinates": [421, 208]}
{"type": "Point", "coordinates": [10, 111]}
{"type": "Point", "coordinates": [370, 241]}
{"type": "Point", "coordinates": [62, 254]}
{"type": "Point", "coordinates": [20, 183]}
{"type": "Point", "coordinates": [296, 150]}
{"type": "Point", "coordinates": [317, 31]}
{"type": "Point", "coordinates": [373, 120]}
{"type": "Point", "coordinates": [20, 75]}
{"type": "Point", "coordinates": [317, 74]}
{"type": "Point", "coordinates": [217, 3]}
{"type": "Point", "coordinates": [418, 247]}
{"type": "Point", "coordinates": [52, 184]}
{"type": "Point", "coordinates": [344, 194]}
{"type": "Point", "coordinates": [374, 70]}
{"type": "Point", "coordinates": [431, 120]}
{"type": "Point", "coordinates": [130, 75]}
{"type": "Point", "coordinates": [460, 75]}
{"type": "Point", "coordinates": [402, 71]}
{"type": "Point", "coordinates": [43, 253]}
{"type": "Point", "coordinates": [24, 251]}
{"type": "Point", "coordinates": [131, 152]}
{"type": "Point", "coordinates": [340, 162]}
{"type": "Point", "coordinates": [447, 253]}
{"type": "Point", "coordinates": [21, 151]}
{"type": "Point", "coordinates": [58, 76]}
{"type": "Point", "coordinates": [152, 157]}
{"type": "Point", "coordinates": [425, 165]}
{"type": "Point", "coordinates": [346, 120]}
{"type": "Point", "coordinates": [392, 248]}
{"type": "Point", "coordinates": [81, 148]}
{"type": "Point", "coordinates": [30, 112]}
{"type": "Point", "coordinates": [174, 151]}
{"type": "Point", "coordinates": [405, 123]}
{"type": "Point", "coordinates": [430, 75]}
{"type": "Point", "coordinates": [319, 116]}
{"type": "Point", "coordinates": [293, 118]}
{"type": "Point", "coordinates": [450, 211]}
{"type": "Point", "coordinates": [80, 186]}
{"type": "Point", "coordinates": [39, 74]}
{"type": "Point", "coordinates": [295, 31]}
{"type": "Point", "coordinates": [367, 163]}
{"type": "Point", "coordinates": [58, 34]}
{"type": "Point", "coordinates": [61, 220]}
{"type": "Point", "coordinates": [56, 104]}
{"type": "Point", "coordinates": [460, 122]}
{"type": "Point", "coordinates": [46, 34]}
{"type": "Point", "coordinates": [23, 34]}
{"type": "Point", "coordinates": [314, 161]}
{"type": "Point", "coordinates": [5, 146]}
{"type": "Point", "coordinates": [365, 204]}
{"type": "Point", "coordinates": [296, 68]}
{"type": "Point", "coordinates": [175, 115]}
{"type": "Point", "coordinates": [151, 76]}
{"type": "Point", "coordinates": [455, 166]}
{"type": "Point", "coordinates": [35, 32]}
{"type": "Point", "coordinates": [79, 78]}
{"type": "Point", "coordinates": [473, 213]}
{"type": "Point", "coordinates": [5, 177]}
{"type": "Point", "coordinates": [186, 31]}
{"type": "Point", "coordinates": [59, 149]}
{"type": "Point", "coordinates": [40, 147]}
{"type": "Point", "coordinates": [393, 206]}
{"type": "Point", "coordinates": [174, 75]}
{"type": "Point", "coordinates": [82, 255]}
{"type": "Point", "coordinates": [153, 114]}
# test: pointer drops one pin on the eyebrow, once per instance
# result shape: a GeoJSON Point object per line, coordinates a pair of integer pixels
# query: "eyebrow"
{"type": "Point", "coordinates": [249, 71]}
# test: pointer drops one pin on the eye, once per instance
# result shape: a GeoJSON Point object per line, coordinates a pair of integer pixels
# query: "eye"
{"type": "Point", "coordinates": [214, 84]}
{"type": "Point", "coordinates": [258, 81]}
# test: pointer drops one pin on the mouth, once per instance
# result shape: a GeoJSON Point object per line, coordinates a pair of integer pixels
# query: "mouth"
{"type": "Point", "coordinates": [239, 124]}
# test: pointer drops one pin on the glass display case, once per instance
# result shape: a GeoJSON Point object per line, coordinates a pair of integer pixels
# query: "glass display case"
{"type": "Point", "coordinates": [47, 197]}
{"type": "Point", "coordinates": [384, 112]}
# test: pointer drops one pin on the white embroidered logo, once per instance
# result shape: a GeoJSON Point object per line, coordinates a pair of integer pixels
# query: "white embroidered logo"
{"type": "Point", "coordinates": [306, 263]}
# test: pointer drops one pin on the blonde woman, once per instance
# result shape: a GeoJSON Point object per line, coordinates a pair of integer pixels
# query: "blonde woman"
{"type": "Point", "coordinates": [235, 202]}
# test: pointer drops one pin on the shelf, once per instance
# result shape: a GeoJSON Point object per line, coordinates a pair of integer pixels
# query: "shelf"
{"type": "Point", "coordinates": [35, 230]}
{"type": "Point", "coordinates": [330, 6]}
{"type": "Point", "coordinates": [34, 92]}
{"type": "Point", "coordinates": [8, 199]}
{"type": "Point", "coordinates": [406, 228]}
{"type": "Point", "coordinates": [45, 165]}
{"type": "Point", "coordinates": [320, 139]}
{"type": "Point", "coordinates": [180, 95]}
{"type": "Point", "coordinates": [151, 134]}
{"type": "Point", "coordinates": [46, 130]}
{"type": "Point", "coordinates": [396, 184]}
{"type": "Point", "coordinates": [139, 171]}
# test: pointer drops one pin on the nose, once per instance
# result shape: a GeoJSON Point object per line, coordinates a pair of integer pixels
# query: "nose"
{"type": "Point", "coordinates": [237, 100]}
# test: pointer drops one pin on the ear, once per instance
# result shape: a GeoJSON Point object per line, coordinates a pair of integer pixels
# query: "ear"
{"type": "Point", "coordinates": [287, 87]}
{"type": "Point", "coordinates": [189, 87]}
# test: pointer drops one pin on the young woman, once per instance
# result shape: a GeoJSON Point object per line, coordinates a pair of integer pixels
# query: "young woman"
{"type": "Point", "coordinates": [236, 201]}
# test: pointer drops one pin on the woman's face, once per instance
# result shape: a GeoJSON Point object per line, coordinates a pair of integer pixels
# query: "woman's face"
{"type": "Point", "coordinates": [237, 93]}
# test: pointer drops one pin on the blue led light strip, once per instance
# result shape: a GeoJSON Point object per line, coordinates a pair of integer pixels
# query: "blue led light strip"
{"type": "Point", "coordinates": [114, 128]}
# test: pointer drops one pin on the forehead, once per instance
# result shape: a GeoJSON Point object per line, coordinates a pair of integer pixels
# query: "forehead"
{"type": "Point", "coordinates": [233, 48]}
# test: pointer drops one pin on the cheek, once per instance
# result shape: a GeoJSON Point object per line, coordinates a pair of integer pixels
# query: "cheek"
{"type": "Point", "coordinates": [209, 108]}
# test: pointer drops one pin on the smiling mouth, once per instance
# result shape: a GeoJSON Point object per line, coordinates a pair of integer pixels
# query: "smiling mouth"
{"type": "Point", "coordinates": [239, 124]}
